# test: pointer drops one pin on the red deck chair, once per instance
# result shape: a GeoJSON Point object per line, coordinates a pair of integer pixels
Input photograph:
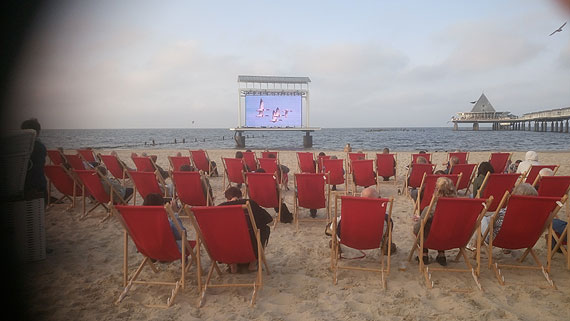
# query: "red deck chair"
{"type": "Point", "coordinates": [386, 166]}
{"type": "Point", "coordinates": [453, 223]}
{"type": "Point", "coordinates": [525, 220]}
{"type": "Point", "coordinates": [202, 161]}
{"type": "Point", "coordinates": [427, 156]}
{"type": "Point", "coordinates": [233, 171]}
{"type": "Point", "coordinates": [312, 193]}
{"type": "Point", "coordinates": [74, 161]}
{"type": "Point", "coordinates": [499, 161]}
{"type": "Point", "coordinates": [320, 162]}
{"type": "Point", "coordinates": [144, 164]}
{"type": "Point", "coordinates": [362, 228]}
{"type": "Point", "coordinates": [267, 153]}
{"type": "Point", "coordinates": [146, 183]}
{"type": "Point", "coordinates": [306, 162]}
{"type": "Point", "coordinates": [353, 156]}
{"type": "Point", "coordinates": [363, 174]}
{"type": "Point", "coordinates": [224, 232]}
{"type": "Point", "coordinates": [496, 185]}
{"type": "Point", "coordinates": [55, 156]}
{"type": "Point", "coordinates": [63, 180]}
{"type": "Point", "coordinates": [271, 165]}
{"type": "Point", "coordinates": [335, 170]}
{"type": "Point", "coordinates": [467, 172]}
{"type": "Point", "coordinates": [115, 166]}
{"type": "Point", "coordinates": [250, 160]}
{"type": "Point", "coordinates": [149, 229]}
{"type": "Point", "coordinates": [87, 155]}
{"type": "Point", "coordinates": [189, 190]}
{"type": "Point", "coordinates": [533, 171]}
{"type": "Point", "coordinates": [427, 188]}
{"type": "Point", "coordinates": [92, 185]}
{"type": "Point", "coordinates": [178, 161]}
{"type": "Point", "coordinates": [462, 156]}
{"type": "Point", "coordinates": [263, 189]}
{"type": "Point", "coordinates": [416, 174]}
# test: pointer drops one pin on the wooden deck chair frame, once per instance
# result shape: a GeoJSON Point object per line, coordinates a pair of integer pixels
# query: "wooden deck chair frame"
{"type": "Point", "coordinates": [176, 162]}
{"type": "Point", "coordinates": [226, 174]}
{"type": "Point", "coordinates": [539, 178]}
{"type": "Point", "coordinates": [122, 164]}
{"type": "Point", "coordinates": [327, 193]}
{"type": "Point", "coordinates": [417, 203]}
{"type": "Point", "coordinates": [384, 268]}
{"type": "Point", "coordinates": [210, 167]}
{"type": "Point", "coordinates": [75, 161]}
{"type": "Point", "coordinates": [408, 174]}
{"type": "Point", "coordinates": [379, 178]}
{"type": "Point", "coordinates": [87, 155]}
{"type": "Point", "coordinates": [76, 184]}
{"type": "Point", "coordinates": [154, 168]}
{"type": "Point", "coordinates": [209, 200]}
{"type": "Point", "coordinates": [278, 191]}
{"type": "Point", "coordinates": [418, 247]}
{"type": "Point", "coordinates": [56, 157]}
{"type": "Point", "coordinates": [112, 197]}
{"type": "Point", "coordinates": [250, 160]}
{"type": "Point", "coordinates": [284, 181]}
{"type": "Point", "coordinates": [469, 178]}
{"type": "Point", "coordinates": [159, 179]}
{"type": "Point", "coordinates": [345, 176]}
{"type": "Point", "coordinates": [261, 261]}
{"type": "Point", "coordinates": [352, 181]}
{"type": "Point", "coordinates": [484, 184]}
{"type": "Point", "coordinates": [506, 162]}
{"type": "Point", "coordinates": [314, 163]}
{"type": "Point", "coordinates": [539, 266]}
{"type": "Point", "coordinates": [350, 156]}
{"type": "Point", "coordinates": [559, 243]}
{"type": "Point", "coordinates": [186, 247]}
{"type": "Point", "coordinates": [531, 180]}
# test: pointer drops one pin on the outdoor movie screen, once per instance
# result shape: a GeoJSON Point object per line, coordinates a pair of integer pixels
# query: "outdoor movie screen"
{"type": "Point", "coordinates": [273, 111]}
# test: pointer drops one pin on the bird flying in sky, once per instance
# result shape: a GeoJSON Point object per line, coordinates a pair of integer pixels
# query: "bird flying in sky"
{"type": "Point", "coordinates": [559, 29]}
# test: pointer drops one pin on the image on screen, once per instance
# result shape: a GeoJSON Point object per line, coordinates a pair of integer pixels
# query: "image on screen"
{"type": "Point", "coordinates": [273, 111]}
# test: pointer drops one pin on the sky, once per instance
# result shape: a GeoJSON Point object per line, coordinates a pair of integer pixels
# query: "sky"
{"type": "Point", "coordinates": [174, 64]}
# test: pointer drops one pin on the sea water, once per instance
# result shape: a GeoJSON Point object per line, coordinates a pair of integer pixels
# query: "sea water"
{"type": "Point", "coordinates": [396, 139]}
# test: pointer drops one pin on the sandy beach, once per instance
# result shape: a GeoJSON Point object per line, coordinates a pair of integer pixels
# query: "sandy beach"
{"type": "Point", "coordinates": [82, 275]}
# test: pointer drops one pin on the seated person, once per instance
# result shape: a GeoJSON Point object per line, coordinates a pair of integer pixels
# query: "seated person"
{"type": "Point", "coordinates": [118, 188]}
{"type": "Point", "coordinates": [530, 158]}
{"type": "Point", "coordinates": [239, 155]}
{"type": "Point", "coordinates": [286, 216]}
{"type": "Point", "coordinates": [386, 150]}
{"type": "Point", "coordinates": [347, 148]}
{"type": "Point", "coordinates": [261, 217]}
{"type": "Point", "coordinates": [414, 191]}
{"type": "Point", "coordinates": [368, 192]}
{"type": "Point", "coordinates": [484, 168]}
{"type": "Point", "coordinates": [154, 199]}
{"type": "Point", "coordinates": [454, 160]}
{"type": "Point", "coordinates": [162, 172]}
{"type": "Point", "coordinates": [444, 187]}
{"type": "Point", "coordinates": [282, 172]}
{"type": "Point", "coordinates": [512, 168]}
{"type": "Point", "coordinates": [543, 172]}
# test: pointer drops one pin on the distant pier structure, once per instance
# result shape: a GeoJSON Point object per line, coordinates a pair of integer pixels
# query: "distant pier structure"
{"type": "Point", "coordinates": [553, 120]}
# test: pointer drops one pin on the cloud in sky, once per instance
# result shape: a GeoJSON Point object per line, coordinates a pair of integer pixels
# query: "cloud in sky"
{"type": "Point", "coordinates": [103, 65]}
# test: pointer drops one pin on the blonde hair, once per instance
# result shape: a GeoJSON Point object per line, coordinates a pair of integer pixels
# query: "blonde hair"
{"type": "Point", "coordinates": [525, 189]}
{"type": "Point", "coordinates": [444, 187]}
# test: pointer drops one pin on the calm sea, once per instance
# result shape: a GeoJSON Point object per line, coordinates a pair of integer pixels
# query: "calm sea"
{"type": "Point", "coordinates": [397, 139]}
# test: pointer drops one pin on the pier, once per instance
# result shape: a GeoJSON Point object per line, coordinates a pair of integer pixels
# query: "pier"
{"type": "Point", "coordinates": [553, 120]}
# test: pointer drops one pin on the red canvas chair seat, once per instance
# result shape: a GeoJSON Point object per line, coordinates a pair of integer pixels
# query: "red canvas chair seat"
{"type": "Point", "coordinates": [363, 173]}
{"type": "Point", "coordinates": [150, 230]}
{"type": "Point", "coordinates": [113, 165]}
{"type": "Point", "coordinates": [524, 221]}
{"type": "Point", "coordinates": [146, 183]}
{"type": "Point", "coordinates": [87, 155]}
{"type": "Point", "coordinates": [178, 161]}
{"type": "Point", "coordinates": [415, 156]}
{"type": "Point", "coordinates": [225, 233]}
{"type": "Point", "coordinates": [233, 168]}
{"type": "Point", "coordinates": [320, 160]}
{"type": "Point", "coordinates": [262, 189]}
{"type": "Point", "coordinates": [75, 161]}
{"type": "Point", "coordinates": [201, 160]}
{"type": "Point", "coordinates": [306, 162]}
{"type": "Point", "coordinates": [554, 186]}
{"type": "Point", "coordinates": [143, 163]}
{"type": "Point", "coordinates": [266, 154]}
{"type": "Point", "coordinates": [496, 185]}
{"type": "Point", "coordinates": [269, 165]}
{"type": "Point", "coordinates": [467, 172]}
{"type": "Point", "coordinates": [416, 174]}
{"type": "Point", "coordinates": [250, 160]}
{"type": "Point", "coordinates": [189, 188]}
{"type": "Point", "coordinates": [91, 181]}
{"type": "Point", "coordinates": [362, 228]}
{"type": "Point", "coordinates": [499, 161]}
{"type": "Point", "coordinates": [427, 189]}
{"type": "Point", "coordinates": [61, 178]}
{"type": "Point", "coordinates": [312, 193]}
{"type": "Point", "coordinates": [453, 223]}
{"type": "Point", "coordinates": [352, 156]}
{"type": "Point", "coordinates": [461, 156]}
{"type": "Point", "coordinates": [535, 169]}
{"type": "Point", "coordinates": [335, 170]}
{"type": "Point", "coordinates": [55, 156]}
{"type": "Point", "coordinates": [386, 165]}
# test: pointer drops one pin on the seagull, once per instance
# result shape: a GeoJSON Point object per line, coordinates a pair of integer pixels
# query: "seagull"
{"type": "Point", "coordinates": [559, 29]}
{"type": "Point", "coordinates": [473, 101]}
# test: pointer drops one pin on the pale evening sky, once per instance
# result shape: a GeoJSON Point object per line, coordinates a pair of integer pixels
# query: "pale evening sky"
{"type": "Point", "coordinates": [156, 64]}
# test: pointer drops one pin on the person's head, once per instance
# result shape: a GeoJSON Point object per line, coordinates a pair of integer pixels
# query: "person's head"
{"type": "Point", "coordinates": [232, 192]}
{"type": "Point", "coordinates": [114, 153]}
{"type": "Point", "coordinates": [322, 154]}
{"type": "Point", "coordinates": [370, 192]}
{"type": "Point", "coordinates": [31, 123]}
{"type": "Point", "coordinates": [334, 157]}
{"type": "Point", "coordinates": [239, 154]}
{"type": "Point", "coordinates": [260, 170]}
{"type": "Point", "coordinates": [546, 172]}
{"type": "Point", "coordinates": [248, 150]}
{"type": "Point", "coordinates": [439, 172]}
{"type": "Point", "coordinates": [386, 150]}
{"type": "Point", "coordinates": [101, 169]}
{"type": "Point", "coordinates": [525, 189]}
{"type": "Point", "coordinates": [179, 154]}
{"type": "Point", "coordinates": [186, 168]}
{"type": "Point", "coordinates": [153, 157]}
{"type": "Point", "coordinates": [421, 160]}
{"type": "Point", "coordinates": [153, 199]}
{"type": "Point", "coordinates": [444, 187]}
{"type": "Point", "coordinates": [484, 168]}
{"type": "Point", "coordinates": [454, 160]}
{"type": "Point", "coordinates": [271, 155]}
{"type": "Point", "coordinates": [531, 156]}
{"type": "Point", "coordinates": [422, 152]}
